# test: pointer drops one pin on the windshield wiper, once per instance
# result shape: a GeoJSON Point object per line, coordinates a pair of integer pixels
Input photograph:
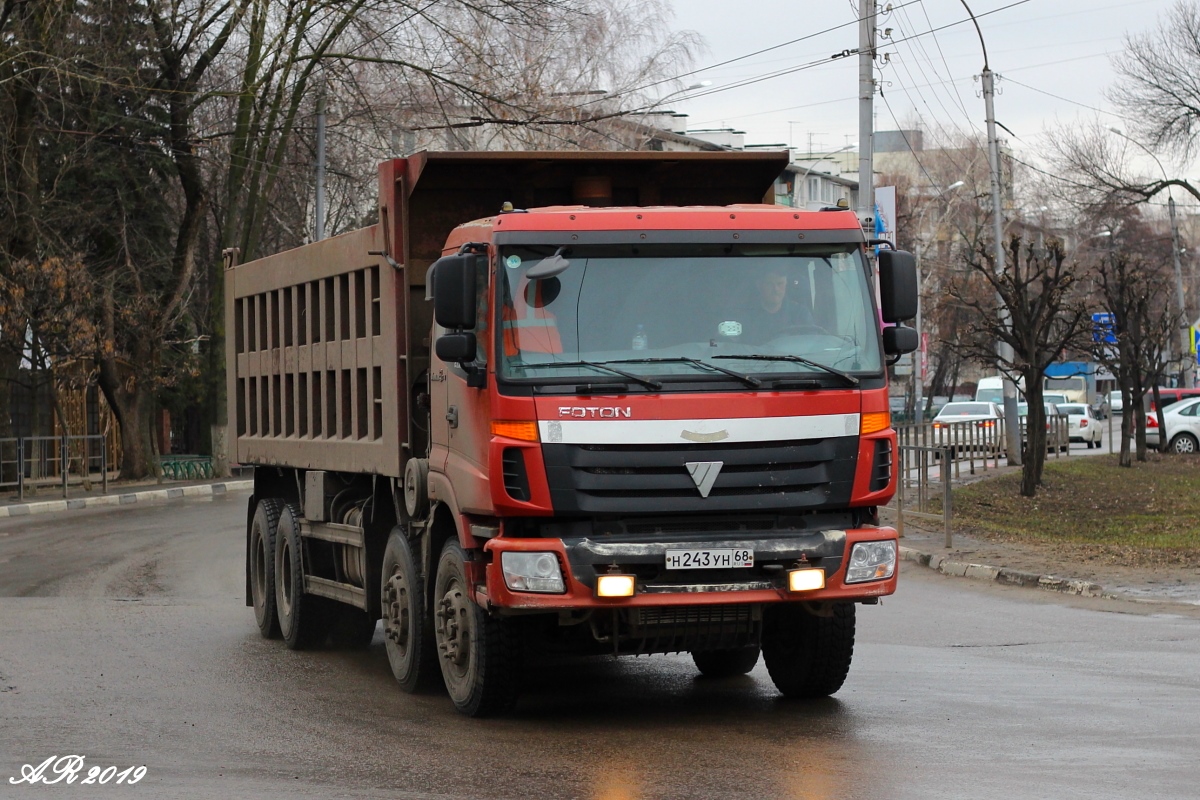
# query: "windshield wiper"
{"type": "Point", "coordinates": [647, 382]}
{"type": "Point", "coordinates": [749, 380]}
{"type": "Point", "coordinates": [846, 376]}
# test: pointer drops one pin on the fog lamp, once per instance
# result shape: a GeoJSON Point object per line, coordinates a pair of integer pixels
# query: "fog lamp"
{"type": "Point", "coordinates": [871, 561]}
{"type": "Point", "coordinates": [532, 572]}
{"type": "Point", "coordinates": [806, 580]}
{"type": "Point", "coordinates": [614, 586]}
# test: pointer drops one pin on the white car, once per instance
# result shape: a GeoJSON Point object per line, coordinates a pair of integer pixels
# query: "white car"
{"type": "Point", "coordinates": [1082, 424]}
{"type": "Point", "coordinates": [969, 425]}
{"type": "Point", "coordinates": [1183, 426]}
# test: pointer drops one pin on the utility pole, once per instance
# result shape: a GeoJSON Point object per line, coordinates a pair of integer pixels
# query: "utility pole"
{"type": "Point", "coordinates": [319, 210]}
{"type": "Point", "coordinates": [866, 100]}
{"type": "Point", "coordinates": [1003, 350]}
{"type": "Point", "coordinates": [1187, 360]}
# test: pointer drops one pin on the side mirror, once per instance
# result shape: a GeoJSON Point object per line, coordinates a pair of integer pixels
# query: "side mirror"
{"type": "Point", "coordinates": [897, 340]}
{"type": "Point", "coordinates": [897, 286]}
{"type": "Point", "coordinates": [456, 348]}
{"type": "Point", "coordinates": [454, 292]}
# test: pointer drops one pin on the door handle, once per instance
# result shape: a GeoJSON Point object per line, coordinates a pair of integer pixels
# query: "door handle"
{"type": "Point", "coordinates": [452, 416]}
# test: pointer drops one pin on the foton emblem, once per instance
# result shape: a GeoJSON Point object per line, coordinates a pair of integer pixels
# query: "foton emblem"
{"type": "Point", "coordinates": [704, 473]}
{"type": "Point", "coordinates": [596, 412]}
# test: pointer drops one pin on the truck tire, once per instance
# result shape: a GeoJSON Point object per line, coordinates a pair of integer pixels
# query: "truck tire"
{"type": "Point", "coordinates": [808, 655]}
{"type": "Point", "coordinates": [407, 633]}
{"type": "Point", "coordinates": [263, 529]}
{"type": "Point", "coordinates": [478, 653]}
{"type": "Point", "coordinates": [303, 619]}
{"type": "Point", "coordinates": [726, 663]}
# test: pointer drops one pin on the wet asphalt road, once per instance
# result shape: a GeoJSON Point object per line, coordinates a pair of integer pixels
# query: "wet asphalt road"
{"type": "Point", "coordinates": [124, 638]}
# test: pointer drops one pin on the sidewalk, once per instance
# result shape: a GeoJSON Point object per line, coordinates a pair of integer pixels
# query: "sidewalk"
{"type": "Point", "coordinates": [49, 498]}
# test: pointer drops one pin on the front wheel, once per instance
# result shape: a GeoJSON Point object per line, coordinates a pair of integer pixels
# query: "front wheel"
{"type": "Point", "coordinates": [726, 663]}
{"type": "Point", "coordinates": [1184, 443]}
{"type": "Point", "coordinates": [479, 654]}
{"type": "Point", "coordinates": [808, 655]}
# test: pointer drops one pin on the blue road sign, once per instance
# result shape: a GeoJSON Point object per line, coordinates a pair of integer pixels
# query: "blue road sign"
{"type": "Point", "coordinates": [1104, 327]}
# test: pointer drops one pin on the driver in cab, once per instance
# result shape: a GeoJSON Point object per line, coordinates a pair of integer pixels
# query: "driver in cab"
{"type": "Point", "coordinates": [771, 313]}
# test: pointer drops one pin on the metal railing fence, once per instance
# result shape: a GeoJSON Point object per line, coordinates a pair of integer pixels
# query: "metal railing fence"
{"type": "Point", "coordinates": [917, 488]}
{"type": "Point", "coordinates": [34, 461]}
{"type": "Point", "coordinates": [932, 456]}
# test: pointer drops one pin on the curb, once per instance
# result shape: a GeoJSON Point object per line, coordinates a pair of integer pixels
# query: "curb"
{"type": "Point", "coordinates": [150, 496]}
{"type": "Point", "coordinates": [1004, 575]}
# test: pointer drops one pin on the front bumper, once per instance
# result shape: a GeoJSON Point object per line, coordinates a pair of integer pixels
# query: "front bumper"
{"type": "Point", "coordinates": [583, 558]}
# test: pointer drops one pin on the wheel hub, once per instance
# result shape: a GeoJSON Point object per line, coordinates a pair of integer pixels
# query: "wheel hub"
{"type": "Point", "coordinates": [397, 626]}
{"type": "Point", "coordinates": [453, 628]}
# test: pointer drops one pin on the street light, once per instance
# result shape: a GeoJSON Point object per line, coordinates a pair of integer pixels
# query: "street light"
{"type": "Point", "coordinates": [804, 177]}
{"type": "Point", "coordinates": [1185, 338]}
{"type": "Point", "coordinates": [665, 97]}
{"type": "Point", "coordinates": [1099, 235]}
{"type": "Point", "coordinates": [1004, 351]}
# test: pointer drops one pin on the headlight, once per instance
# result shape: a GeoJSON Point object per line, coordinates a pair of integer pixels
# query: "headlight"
{"type": "Point", "coordinates": [871, 561]}
{"type": "Point", "coordinates": [532, 572]}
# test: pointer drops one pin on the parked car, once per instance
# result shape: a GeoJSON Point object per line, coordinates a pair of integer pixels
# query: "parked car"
{"type": "Point", "coordinates": [1152, 428]}
{"type": "Point", "coordinates": [1169, 397]}
{"type": "Point", "coordinates": [967, 425]}
{"type": "Point", "coordinates": [1052, 414]}
{"type": "Point", "coordinates": [1183, 426]}
{"type": "Point", "coordinates": [1083, 424]}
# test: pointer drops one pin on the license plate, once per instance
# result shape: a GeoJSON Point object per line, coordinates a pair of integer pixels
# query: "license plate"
{"type": "Point", "coordinates": [709, 559]}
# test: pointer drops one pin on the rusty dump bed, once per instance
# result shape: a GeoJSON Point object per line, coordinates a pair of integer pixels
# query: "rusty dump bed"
{"type": "Point", "coordinates": [325, 343]}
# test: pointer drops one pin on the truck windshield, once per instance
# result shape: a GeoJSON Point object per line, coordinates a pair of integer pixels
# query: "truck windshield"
{"type": "Point", "coordinates": [687, 312]}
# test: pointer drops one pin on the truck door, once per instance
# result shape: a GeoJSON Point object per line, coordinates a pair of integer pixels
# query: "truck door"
{"type": "Point", "coordinates": [460, 415]}
{"type": "Point", "coordinates": [439, 425]}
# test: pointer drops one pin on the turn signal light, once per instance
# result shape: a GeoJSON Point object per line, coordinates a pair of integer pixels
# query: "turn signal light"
{"type": "Point", "coordinates": [875, 421]}
{"type": "Point", "coordinates": [614, 586]}
{"type": "Point", "coordinates": [806, 580]}
{"type": "Point", "coordinates": [515, 429]}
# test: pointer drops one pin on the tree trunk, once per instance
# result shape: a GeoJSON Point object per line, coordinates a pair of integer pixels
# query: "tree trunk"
{"type": "Point", "coordinates": [1034, 456]}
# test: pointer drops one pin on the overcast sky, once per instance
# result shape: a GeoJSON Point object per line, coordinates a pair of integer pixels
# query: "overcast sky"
{"type": "Point", "coordinates": [1054, 59]}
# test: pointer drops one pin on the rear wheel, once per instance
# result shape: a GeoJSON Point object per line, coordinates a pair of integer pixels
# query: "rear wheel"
{"type": "Point", "coordinates": [263, 529]}
{"type": "Point", "coordinates": [726, 663]}
{"type": "Point", "coordinates": [479, 654]}
{"type": "Point", "coordinates": [303, 619]}
{"type": "Point", "coordinates": [1184, 443]}
{"type": "Point", "coordinates": [808, 655]}
{"type": "Point", "coordinates": [407, 635]}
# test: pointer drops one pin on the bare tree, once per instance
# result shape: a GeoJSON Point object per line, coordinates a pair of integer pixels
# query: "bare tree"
{"type": "Point", "coordinates": [1045, 314]}
{"type": "Point", "coordinates": [1132, 280]}
{"type": "Point", "coordinates": [1158, 88]}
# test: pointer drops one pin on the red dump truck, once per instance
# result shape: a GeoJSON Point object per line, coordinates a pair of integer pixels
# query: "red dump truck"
{"type": "Point", "coordinates": [593, 403]}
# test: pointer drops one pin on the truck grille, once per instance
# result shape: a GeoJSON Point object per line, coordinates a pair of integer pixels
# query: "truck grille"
{"type": "Point", "coordinates": [635, 479]}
